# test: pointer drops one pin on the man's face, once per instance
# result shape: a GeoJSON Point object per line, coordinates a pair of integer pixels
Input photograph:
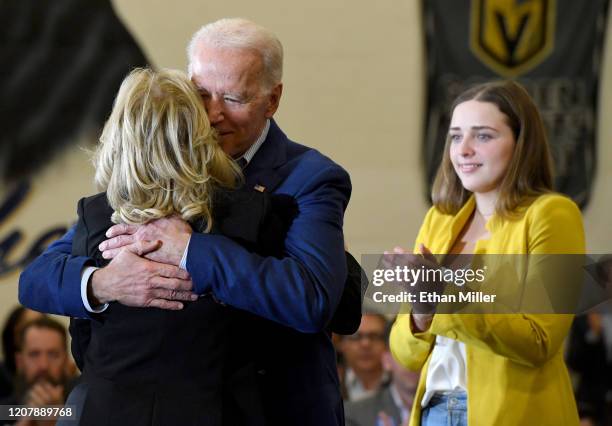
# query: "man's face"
{"type": "Point", "coordinates": [363, 350]}
{"type": "Point", "coordinates": [238, 105]}
{"type": "Point", "coordinates": [43, 356]}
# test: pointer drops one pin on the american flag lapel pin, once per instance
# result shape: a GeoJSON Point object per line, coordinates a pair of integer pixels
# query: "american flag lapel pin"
{"type": "Point", "coordinates": [259, 188]}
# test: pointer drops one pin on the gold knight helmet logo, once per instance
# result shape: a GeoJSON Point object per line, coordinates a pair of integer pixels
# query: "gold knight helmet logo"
{"type": "Point", "coordinates": [512, 36]}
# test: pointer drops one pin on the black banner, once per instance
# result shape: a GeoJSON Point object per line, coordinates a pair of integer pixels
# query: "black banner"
{"type": "Point", "coordinates": [61, 64]}
{"type": "Point", "coordinates": [552, 47]}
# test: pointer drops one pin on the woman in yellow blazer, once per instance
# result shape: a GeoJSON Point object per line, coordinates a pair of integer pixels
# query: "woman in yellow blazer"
{"type": "Point", "coordinates": [492, 195]}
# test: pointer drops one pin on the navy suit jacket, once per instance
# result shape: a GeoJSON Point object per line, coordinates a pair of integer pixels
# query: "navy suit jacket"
{"type": "Point", "coordinates": [293, 298]}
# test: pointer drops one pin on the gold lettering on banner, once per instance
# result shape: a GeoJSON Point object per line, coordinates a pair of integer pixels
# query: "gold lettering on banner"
{"type": "Point", "coordinates": [512, 36]}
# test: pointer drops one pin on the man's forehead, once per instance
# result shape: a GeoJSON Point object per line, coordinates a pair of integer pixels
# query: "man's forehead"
{"type": "Point", "coordinates": [227, 53]}
{"type": "Point", "coordinates": [225, 65]}
{"type": "Point", "coordinates": [37, 337]}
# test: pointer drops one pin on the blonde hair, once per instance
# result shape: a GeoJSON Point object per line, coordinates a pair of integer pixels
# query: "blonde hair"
{"type": "Point", "coordinates": [530, 172]}
{"type": "Point", "coordinates": [158, 154]}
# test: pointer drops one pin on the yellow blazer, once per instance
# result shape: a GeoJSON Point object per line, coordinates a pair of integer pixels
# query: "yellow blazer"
{"type": "Point", "coordinates": [516, 374]}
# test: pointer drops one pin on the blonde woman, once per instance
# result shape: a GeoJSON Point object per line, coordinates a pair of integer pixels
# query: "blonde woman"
{"type": "Point", "coordinates": [158, 156]}
{"type": "Point", "coordinates": [492, 195]}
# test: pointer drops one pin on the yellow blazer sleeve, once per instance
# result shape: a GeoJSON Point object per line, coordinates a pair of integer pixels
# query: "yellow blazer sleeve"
{"type": "Point", "coordinates": [412, 349]}
{"type": "Point", "coordinates": [554, 227]}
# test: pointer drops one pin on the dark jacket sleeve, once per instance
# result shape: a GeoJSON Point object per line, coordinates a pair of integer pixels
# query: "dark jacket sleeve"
{"type": "Point", "coordinates": [80, 329]}
{"type": "Point", "coordinates": [347, 317]}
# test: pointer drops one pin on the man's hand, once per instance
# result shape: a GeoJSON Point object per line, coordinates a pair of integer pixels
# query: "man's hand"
{"type": "Point", "coordinates": [134, 281]}
{"type": "Point", "coordinates": [173, 232]}
{"type": "Point", "coordinates": [43, 393]}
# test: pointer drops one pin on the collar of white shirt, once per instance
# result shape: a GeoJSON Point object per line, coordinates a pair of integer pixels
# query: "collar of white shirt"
{"type": "Point", "coordinates": [250, 153]}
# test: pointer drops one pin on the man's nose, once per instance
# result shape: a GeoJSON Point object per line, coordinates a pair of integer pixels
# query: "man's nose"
{"type": "Point", "coordinates": [365, 341]}
{"type": "Point", "coordinates": [215, 110]}
{"type": "Point", "coordinates": [43, 364]}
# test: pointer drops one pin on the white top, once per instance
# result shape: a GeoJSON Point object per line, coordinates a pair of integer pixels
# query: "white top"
{"type": "Point", "coordinates": [447, 368]}
{"type": "Point", "coordinates": [355, 389]}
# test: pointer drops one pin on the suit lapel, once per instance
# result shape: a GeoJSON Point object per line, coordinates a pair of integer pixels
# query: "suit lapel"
{"type": "Point", "coordinates": [457, 224]}
{"type": "Point", "coordinates": [262, 171]}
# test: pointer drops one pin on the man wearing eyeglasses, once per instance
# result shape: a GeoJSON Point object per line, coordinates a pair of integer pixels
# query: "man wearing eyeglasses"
{"type": "Point", "coordinates": [363, 353]}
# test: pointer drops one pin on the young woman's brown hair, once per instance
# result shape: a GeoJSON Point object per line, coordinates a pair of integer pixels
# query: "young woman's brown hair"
{"type": "Point", "coordinates": [530, 172]}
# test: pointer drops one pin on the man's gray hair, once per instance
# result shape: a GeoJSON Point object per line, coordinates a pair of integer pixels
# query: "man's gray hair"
{"type": "Point", "coordinates": [241, 33]}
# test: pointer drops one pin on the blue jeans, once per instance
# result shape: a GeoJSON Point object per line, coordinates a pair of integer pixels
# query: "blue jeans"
{"type": "Point", "coordinates": [448, 409]}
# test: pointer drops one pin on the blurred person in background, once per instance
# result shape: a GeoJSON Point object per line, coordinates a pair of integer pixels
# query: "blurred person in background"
{"type": "Point", "coordinates": [391, 405]}
{"type": "Point", "coordinates": [590, 358]}
{"type": "Point", "coordinates": [363, 357]}
{"type": "Point", "coordinates": [41, 363]}
{"type": "Point", "coordinates": [11, 333]}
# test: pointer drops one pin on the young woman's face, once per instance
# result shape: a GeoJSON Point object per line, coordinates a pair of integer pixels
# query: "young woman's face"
{"type": "Point", "coordinates": [481, 146]}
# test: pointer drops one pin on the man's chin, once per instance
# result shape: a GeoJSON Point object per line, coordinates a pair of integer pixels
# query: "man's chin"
{"type": "Point", "coordinates": [226, 143]}
{"type": "Point", "coordinates": [232, 148]}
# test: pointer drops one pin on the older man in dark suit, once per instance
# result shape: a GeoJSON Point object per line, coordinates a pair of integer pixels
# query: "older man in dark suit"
{"type": "Point", "coordinates": [237, 66]}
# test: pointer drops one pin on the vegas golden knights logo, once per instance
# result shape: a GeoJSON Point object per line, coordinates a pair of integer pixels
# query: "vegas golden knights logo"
{"type": "Point", "coordinates": [512, 36]}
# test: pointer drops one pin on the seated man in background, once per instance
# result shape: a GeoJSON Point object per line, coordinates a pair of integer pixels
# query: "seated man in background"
{"type": "Point", "coordinates": [11, 333]}
{"type": "Point", "coordinates": [390, 406]}
{"type": "Point", "coordinates": [363, 351]}
{"type": "Point", "coordinates": [42, 364]}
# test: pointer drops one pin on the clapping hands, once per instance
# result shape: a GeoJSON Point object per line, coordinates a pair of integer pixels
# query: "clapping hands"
{"type": "Point", "coordinates": [422, 311]}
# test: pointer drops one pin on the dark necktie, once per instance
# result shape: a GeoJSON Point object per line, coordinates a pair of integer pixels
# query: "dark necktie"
{"type": "Point", "coordinates": [242, 162]}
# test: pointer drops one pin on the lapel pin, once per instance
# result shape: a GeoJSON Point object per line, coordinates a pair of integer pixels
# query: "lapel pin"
{"type": "Point", "coordinates": [259, 188]}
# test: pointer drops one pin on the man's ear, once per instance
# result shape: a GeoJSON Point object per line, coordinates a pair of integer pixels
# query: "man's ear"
{"type": "Point", "coordinates": [274, 100]}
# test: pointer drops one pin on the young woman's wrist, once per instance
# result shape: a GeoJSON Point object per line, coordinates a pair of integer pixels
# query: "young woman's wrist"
{"type": "Point", "coordinates": [420, 322]}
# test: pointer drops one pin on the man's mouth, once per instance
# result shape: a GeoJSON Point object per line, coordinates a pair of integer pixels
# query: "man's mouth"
{"type": "Point", "coordinates": [222, 133]}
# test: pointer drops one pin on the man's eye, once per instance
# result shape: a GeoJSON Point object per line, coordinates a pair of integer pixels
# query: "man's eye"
{"type": "Point", "coordinates": [232, 100]}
